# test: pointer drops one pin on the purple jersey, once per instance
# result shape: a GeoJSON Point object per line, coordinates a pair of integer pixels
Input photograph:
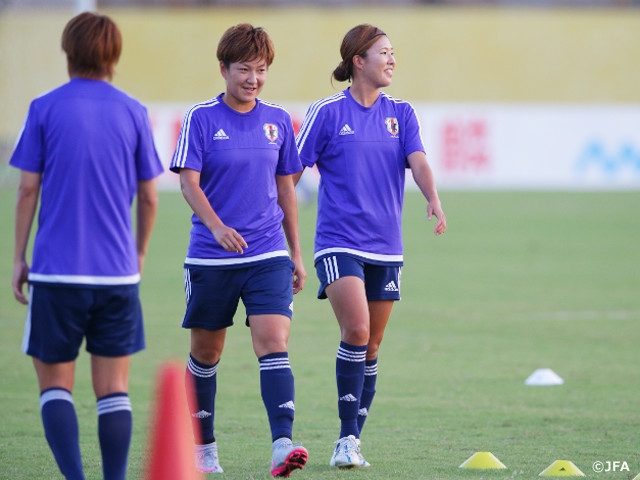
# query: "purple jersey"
{"type": "Point", "coordinates": [361, 154]}
{"type": "Point", "coordinates": [238, 156]}
{"type": "Point", "coordinates": [92, 143]}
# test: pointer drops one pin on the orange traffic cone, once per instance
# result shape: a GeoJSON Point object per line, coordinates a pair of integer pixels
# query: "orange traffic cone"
{"type": "Point", "coordinates": [171, 456]}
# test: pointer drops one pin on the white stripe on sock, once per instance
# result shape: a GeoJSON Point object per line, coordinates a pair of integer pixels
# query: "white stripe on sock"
{"type": "Point", "coordinates": [55, 394]}
{"type": "Point", "coordinates": [114, 404]}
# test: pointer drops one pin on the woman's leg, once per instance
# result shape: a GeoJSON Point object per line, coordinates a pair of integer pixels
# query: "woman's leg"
{"type": "Point", "coordinates": [270, 335]}
{"type": "Point", "coordinates": [110, 376]}
{"type": "Point", "coordinates": [206, 350]}
{"type": "Point", "coordinates": [379, 313]}
{"type": "Point", "coordinates": [59, 415]}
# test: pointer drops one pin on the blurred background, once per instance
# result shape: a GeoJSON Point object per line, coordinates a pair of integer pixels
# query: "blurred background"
{"type": "Point", "coordinates": [528, 94]}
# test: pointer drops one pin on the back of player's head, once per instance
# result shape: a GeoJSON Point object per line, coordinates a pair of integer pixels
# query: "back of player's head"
{"type": "Point", "coordinates": [93, 44]}
{"type": "Point", "coordinates": [356, 42]}
{"type": "Point", "coordinates": [244, 43]}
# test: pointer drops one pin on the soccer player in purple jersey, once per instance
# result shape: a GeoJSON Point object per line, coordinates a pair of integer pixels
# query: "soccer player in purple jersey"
{"type": "Point", "coordinates": [236, 157]}
{"type": "Point", "coordinates": [362, 140]}
{"type": "Point", "coordinates": [86, 149]}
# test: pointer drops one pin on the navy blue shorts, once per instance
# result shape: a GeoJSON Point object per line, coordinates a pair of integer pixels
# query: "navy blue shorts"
{"type": "Point", "coordinates": [213, 294]}
{"type": "Point", "coordinates": [381, 282]}
{"type": "Point", "coordinates": [60, 317]}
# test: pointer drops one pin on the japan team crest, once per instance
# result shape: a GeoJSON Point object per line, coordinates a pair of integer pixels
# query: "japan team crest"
{"type": "Point", "coordinates": [393, 127]}
{"type": "Point", "coordinates": [270, 131]}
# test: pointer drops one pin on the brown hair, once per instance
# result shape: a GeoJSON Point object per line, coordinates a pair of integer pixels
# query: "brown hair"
{"type": "Point", "coordinates": [356, 42]}
{"type": "Point", "coordinates": [93, 44]}
{"type": "Point", "coordinates": [244, 43]}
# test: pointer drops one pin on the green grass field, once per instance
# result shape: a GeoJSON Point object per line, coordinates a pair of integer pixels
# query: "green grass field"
{"type": "Point", "coordinates": [520, 281]}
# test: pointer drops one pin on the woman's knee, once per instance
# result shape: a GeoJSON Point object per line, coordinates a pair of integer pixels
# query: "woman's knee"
{"type": "Point", "coordinates": [207, 346]}
{"type": "Point", "coordinates": [355, 333]}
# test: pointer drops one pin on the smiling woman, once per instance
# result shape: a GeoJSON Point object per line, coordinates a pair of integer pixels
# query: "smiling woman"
{"type": "Point", "coordinates": [244, 83]}
{"type": "Point", "coordinates": [236, 158]}
{"type": "Point", "coordinates": [362, 140]}
{"type": "Point", "coordinates": [245, 54]}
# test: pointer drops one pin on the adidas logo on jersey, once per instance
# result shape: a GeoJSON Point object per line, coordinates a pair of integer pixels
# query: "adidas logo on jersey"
{"type": "Point", "coordinates": [391, 287]}
{"type": "Point", "coordinates": [201, 414]}
{"type": "Point", "coordinates": [346, 130]}
{"type": "Point", "coordinates": [348, 398]}
{"type": "Point", "coordinates": [220, 135]}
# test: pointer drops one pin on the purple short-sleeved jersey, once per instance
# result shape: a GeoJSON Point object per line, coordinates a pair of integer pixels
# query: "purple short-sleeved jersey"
{"type": "Point", "coordinates": [238, 156]}
{"type": "Point", "coordinates": [92, 143]}
{"type": "Point", "coordinates": [361, 154]}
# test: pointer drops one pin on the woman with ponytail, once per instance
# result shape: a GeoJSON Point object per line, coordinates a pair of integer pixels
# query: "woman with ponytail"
{"type": "Point", "coordinates": [362, 140]}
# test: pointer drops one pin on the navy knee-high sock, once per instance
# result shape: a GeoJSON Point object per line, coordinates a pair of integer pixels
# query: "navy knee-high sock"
{"type": "Point", "coordinates": [115, 424]}
{"type": "Point", "coordinates": [203, 378]}
{"type": "Point", "coordinates": [61, 431]}
{"type": "Point", "coordinates": [368, 391]}
{"type": "Point", "coordinates": [350, 362]}
{"type": "Point", "coordinates": [278, 393]}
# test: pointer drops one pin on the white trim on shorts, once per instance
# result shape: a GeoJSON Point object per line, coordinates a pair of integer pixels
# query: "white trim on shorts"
{"type": "Point", "coordinates": [27, 325]}
{"type": "Point", "coordinates": [222, 262]}
{"type": "Point", "coordinates": [88, 280]}
{"type": "Point", "coordinates": [359, 253]}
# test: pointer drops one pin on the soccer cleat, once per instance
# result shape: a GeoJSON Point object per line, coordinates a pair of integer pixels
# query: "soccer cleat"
{"type": "Point", "coordinates": [363, 462]}
{"type": "Point", "coordinates": [207, 458]}
{"type": "Point", "coordinates": [287, 457]}
{"type": "Point", "coordinates": [346, 454]}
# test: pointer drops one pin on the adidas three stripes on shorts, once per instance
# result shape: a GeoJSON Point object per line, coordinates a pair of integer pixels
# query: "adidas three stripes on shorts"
{"type": "Point", "coordinates": [382, 282]}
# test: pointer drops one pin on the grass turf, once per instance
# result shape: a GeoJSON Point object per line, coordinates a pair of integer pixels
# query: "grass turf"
{"type": "Point", "coordinates": [520, 281]}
